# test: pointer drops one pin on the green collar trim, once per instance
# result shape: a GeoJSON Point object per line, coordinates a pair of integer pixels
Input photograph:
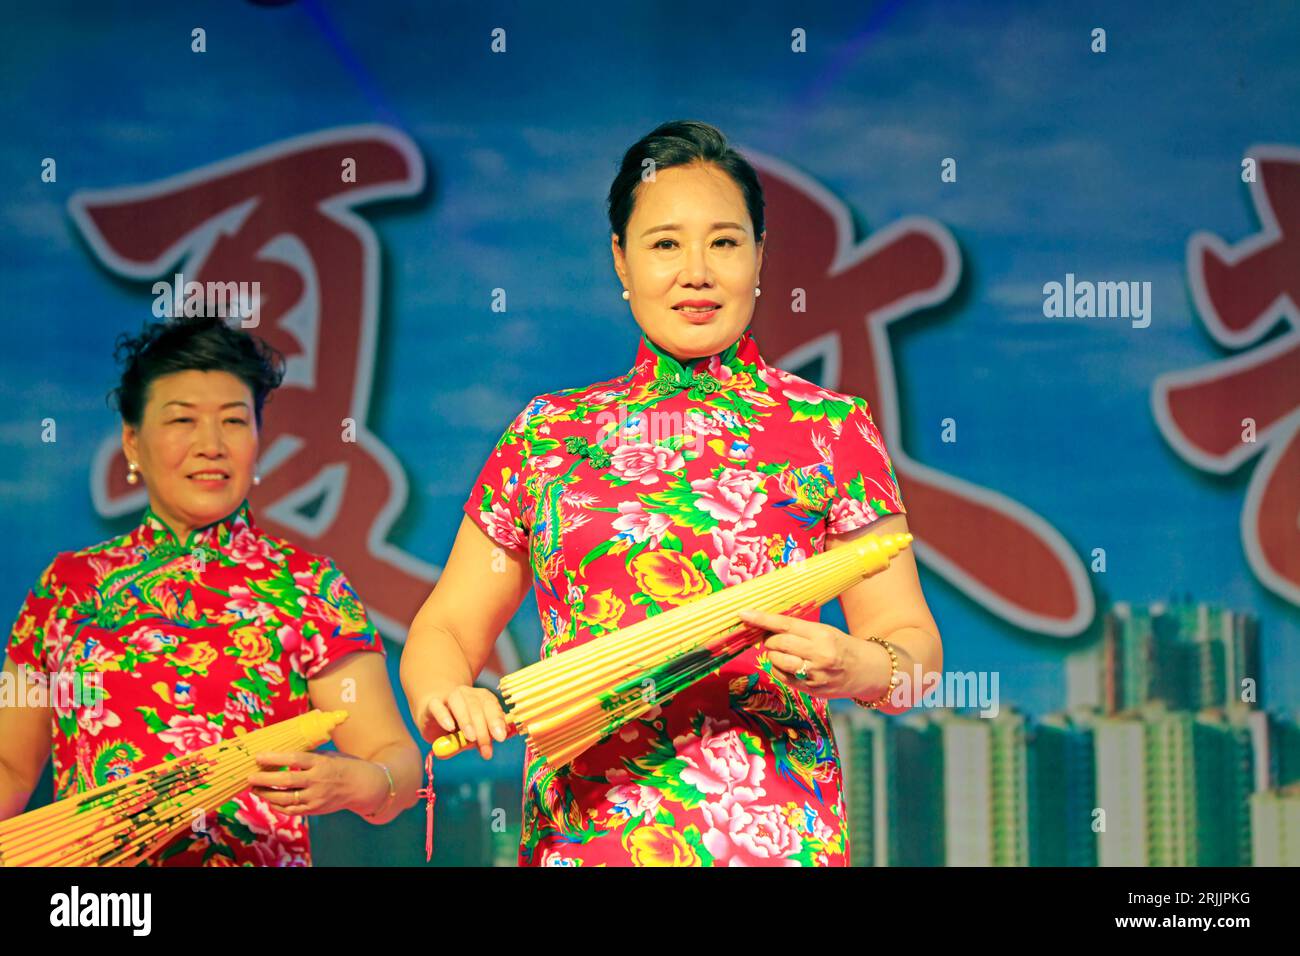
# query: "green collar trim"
{"type": "Point", "coordinates": [665, 374]}
{"type": "Point", "coordinates": [163, 535]}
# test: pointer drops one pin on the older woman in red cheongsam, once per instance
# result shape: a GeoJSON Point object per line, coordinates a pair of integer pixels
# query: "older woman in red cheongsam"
{"type": "Point", "coordinates": [197, 624]}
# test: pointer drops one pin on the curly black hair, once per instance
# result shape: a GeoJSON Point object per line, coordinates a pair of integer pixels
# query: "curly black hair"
{"type": "Point", "coordinates": [205, 344]}
{"type": "Point", "coordinates": [678, 143]}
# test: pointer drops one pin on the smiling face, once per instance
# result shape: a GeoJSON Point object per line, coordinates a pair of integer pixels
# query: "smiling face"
{"type": "Point", "coordinates": [690, 243]}
{"type": "Point", "coordinates": [195, 446]}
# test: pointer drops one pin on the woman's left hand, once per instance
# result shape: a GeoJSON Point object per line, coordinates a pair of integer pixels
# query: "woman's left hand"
{"type": "Point", "coordinates": [318, 783]}
{"type": "Point", "coordinates": [832, 660]}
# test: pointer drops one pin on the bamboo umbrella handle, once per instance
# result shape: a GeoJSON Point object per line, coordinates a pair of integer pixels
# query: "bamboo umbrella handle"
{"type": "Point", "coordinates": [451, 744]}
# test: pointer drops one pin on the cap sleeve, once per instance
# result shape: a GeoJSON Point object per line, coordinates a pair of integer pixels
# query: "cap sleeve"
{"type": "Point", "coordinates": [334, 621]}
{"type": "Point", "coordinates": [495, 500]}
{"type": "Point", "coordinates": [866, 487]}
{"type": "Point", "coordinates": [35, 630]}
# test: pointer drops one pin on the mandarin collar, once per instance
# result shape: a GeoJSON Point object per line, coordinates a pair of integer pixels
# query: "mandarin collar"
{"type": "Point", "coordinates": [153, 532]}
{"type": "Point", "coordinates": [662, 373]}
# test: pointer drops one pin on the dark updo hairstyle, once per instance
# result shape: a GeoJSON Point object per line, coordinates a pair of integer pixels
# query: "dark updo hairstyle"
{"type": "Point", "coordinates": [676, 144]}
{"type": "Point", "coordinates": [205, 344]}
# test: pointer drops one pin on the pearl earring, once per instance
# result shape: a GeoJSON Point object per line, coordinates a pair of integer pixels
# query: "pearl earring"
{"type": "Point", "coordinates": [132, 473]}
{"type": "Point", "coordinates": [757, 291]}
{"type": "Point", "coordinates": [626, 294]}
{"type": "Point", "coordinates": [257, 479]}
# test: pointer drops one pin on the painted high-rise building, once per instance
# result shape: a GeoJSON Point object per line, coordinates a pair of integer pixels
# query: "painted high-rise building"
{"type": "Point", "coordinates": [1190, 656]}
{"type": "Point", "coordinates": [893, 787]}
{"type": "Point", "coordinates": [1174, 787]}
{"type": "Point", "coordinates": [986, 789]}
{"type": "Point", "coordinates": [1275, 827]}
{"type": "Point", "coordinates": [1062, 792]}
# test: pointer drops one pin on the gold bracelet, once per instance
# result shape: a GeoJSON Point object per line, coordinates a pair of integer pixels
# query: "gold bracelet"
{"type": "Point", "coordinates": [893, 676]}
{"type": "Point", "coordinates": [392, 792]}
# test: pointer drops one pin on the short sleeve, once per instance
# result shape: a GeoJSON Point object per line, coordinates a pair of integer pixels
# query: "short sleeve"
{"type": "Point", "coordinates": [334, 621]}
{"type": "Point", "coordinates": [866, 487]}
{"type": "Point", "coordinates": [35, 629]}
{"type": "Point", "coordinates": [495, 500]}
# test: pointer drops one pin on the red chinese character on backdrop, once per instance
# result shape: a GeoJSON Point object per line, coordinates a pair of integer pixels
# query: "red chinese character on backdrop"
{"type": "Point", "coordinates": [996, 551]}
{"type": "Point", "coordinates": [283, 216]}
{"type": "Point", "coordinates": [1241, 293]}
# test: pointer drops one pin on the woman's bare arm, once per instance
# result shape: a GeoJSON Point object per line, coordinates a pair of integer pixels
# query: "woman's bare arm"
{"type": "Point", "coordinates": [481, 587]}
{"type": "Point", "coordinates": [890, 605]}
{"type": "Point", "coordinates": [374, 731]}
{"type": "Point", "coordinates": [24, 746]}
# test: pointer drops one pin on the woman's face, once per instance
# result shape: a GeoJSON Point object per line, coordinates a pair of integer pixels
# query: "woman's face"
{"type": "Point", "coordinates": [196, 446]}
{"type": "Point", "coordinates": [690, 239]}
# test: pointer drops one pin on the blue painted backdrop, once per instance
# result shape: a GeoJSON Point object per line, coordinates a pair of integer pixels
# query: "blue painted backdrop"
{"type": "Point", "coordinates": [1070, 161]}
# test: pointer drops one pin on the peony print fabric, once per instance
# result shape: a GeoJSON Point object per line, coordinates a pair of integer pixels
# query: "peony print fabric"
{"type": "Point", "coordinates": [642, 493]}
{"type": "Point", "coordinates": [189, 641]}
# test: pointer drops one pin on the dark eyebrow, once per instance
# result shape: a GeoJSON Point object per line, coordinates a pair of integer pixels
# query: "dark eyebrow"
{"type": "Point", "coordinates": [177, 401]}
{"type": "Point", "coordinates": [670, 226]}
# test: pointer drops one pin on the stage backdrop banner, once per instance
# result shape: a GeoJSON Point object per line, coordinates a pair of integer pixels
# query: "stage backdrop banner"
{"type": "Point", "coordinates": [1058, 252]}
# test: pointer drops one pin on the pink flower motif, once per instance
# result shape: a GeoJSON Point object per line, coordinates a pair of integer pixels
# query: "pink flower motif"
{"type": "Point", "coordinates": [189, 732]}
{"type": "Point", "coordinates": [545, 462]}
{"type": "Point", "coordinates": [501, 527]}
{"type": "Point", "coordinates": [234, 712]}
{"type": "Point", "coordinates": [276, 853]}
{"type": "Point", "coordinates": [720, 763]}
{"type": "Point", "coordinates": [731, 497]}
{"type": "Point", "coordinates": [245, 605]}
{"type": "Point", "coordinates": [749, 836]}
{"type": "Point", "coordinates": [92, 720]}
{"type": "Point", "coordinates": [60, 689]}
{"type": "Point", "coordinates": [739, 559]}
{"type": "Point", "coordinates": [645, 462]}
{"type": "Point", "coordinates": [771, 375]}
{"type": "Point", "coordinates": [57, 636]}
{"type": "Point", "coordinates": [820, 830]}
{"type": "Point", "coordinates": [633, 799]}
{"type": "Point", "coordinates": [697, 423]}
{"type": "Point", "coordinates": [848, 514]}
{"type": "Point", "coordinates": [255, 813]}
{"type": "Point", "coordinates": [276, 829]}
{"type": "Point", "coordinates": [314, 649]}
{"type": "Point", "coordinates": [714, 367]}
{"type": "Point", "coordinates": [640, 524]}
{"type": "Point", "coordinates": [290, 638]}
{"type": "Point", "coordinates": [148, 640]}
{"type": "Point", "coordinates": [809, 394]}
{"type": "Point", "coordinates": [251, 550]}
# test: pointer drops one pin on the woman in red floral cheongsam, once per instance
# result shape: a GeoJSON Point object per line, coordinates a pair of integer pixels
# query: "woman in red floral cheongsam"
{"type": "Point", "coordinates": [197, 623]}
{"type": "Point", "coordinates": [700, 467]}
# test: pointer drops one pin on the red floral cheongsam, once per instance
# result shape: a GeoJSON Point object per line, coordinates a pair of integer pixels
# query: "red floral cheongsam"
{"type": "Point", "coordinates": [188, 641]}
{"type": "Point", "coordinates": [642, 493]}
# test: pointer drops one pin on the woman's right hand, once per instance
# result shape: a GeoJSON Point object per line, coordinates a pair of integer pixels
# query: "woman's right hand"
{"type": "Point", "coordinates": [474, 711]}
